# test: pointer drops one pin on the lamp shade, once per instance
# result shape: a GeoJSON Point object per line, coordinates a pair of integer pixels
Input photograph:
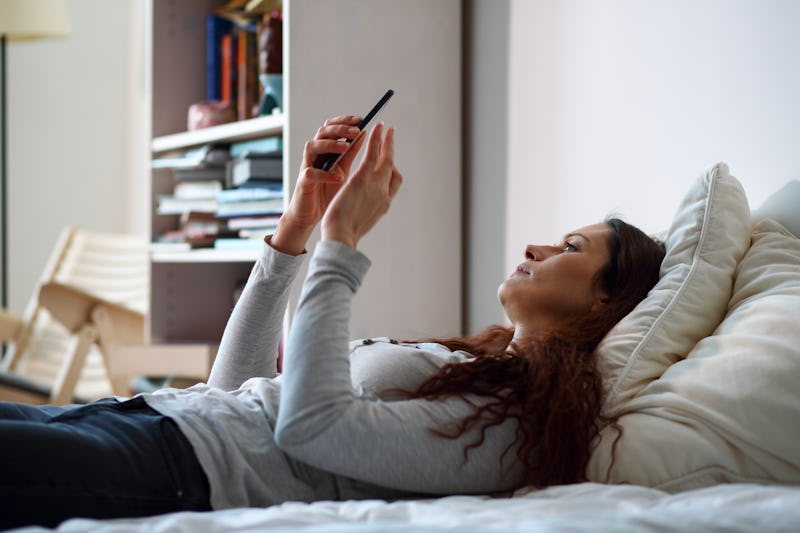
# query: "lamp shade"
{"type": "Point", "coordinates": [33, 19]}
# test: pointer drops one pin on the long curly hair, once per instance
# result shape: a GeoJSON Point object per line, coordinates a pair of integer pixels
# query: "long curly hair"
{"type": "Point", "coordinates": [549, 384]}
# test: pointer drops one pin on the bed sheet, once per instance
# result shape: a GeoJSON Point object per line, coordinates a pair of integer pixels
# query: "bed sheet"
{"type": "Point", "coordinates": [581, 507]}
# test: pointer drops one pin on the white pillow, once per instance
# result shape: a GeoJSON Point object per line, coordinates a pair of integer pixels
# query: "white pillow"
{"type": "Point", "coordinates": [709, 234]}
{"type": "Point", "coordinates": [730, 411]}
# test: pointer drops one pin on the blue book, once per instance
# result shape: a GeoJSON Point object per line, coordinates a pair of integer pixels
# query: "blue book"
{"type": "Point", "coordinates": [250, 193]}
{"type": "Point", "coordinates": [265, 145]}
{"type": "Point", "coordinates": [216, 27]}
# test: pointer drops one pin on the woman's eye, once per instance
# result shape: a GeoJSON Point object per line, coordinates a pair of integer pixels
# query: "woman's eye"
{"type": "Point", "coordinates": [570, 247]}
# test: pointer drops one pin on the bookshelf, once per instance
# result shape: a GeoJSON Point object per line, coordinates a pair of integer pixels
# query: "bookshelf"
{"type": "Point", "coordinates": [413, 47]}
{"type": "Point", "coordinates": [233, 131]}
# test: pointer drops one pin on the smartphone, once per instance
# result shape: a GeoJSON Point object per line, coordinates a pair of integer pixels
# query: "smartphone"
{"type": "Point", "coordinates": [327, 161]}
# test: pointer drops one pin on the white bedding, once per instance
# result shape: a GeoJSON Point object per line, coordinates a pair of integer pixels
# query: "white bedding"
{"type": "Point", "coordinates": [582, 507]}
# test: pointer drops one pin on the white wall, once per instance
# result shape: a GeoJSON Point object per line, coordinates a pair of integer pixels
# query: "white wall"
{"type": "Point", "coordinates": [75, 124]}
{"type": "Point", "coordinates": [617, 105]}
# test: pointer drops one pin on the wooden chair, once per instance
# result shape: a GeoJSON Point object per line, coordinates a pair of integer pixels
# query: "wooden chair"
{"type": "Point", "coordinates": [52, 361]}
{"type": "Point", "coordinates": [82, 335]}
{"type": "Point", "coordinates": [55, 351]}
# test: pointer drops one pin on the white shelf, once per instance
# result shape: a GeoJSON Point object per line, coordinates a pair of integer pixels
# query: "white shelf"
{"type": "Point", "coordinates": [233, 131]}
{"type": "Point", "coordinates": [204, 255]}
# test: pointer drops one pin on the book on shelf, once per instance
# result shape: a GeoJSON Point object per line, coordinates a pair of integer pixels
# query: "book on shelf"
{"type": "Point", "coordinates": [255, 167]}
{"type": "Point", "coordinates": [249, 193]}
{"type": "Point", "coordinates": [192, 190]}
{"type": "Point", "coordinates": [201, 223]}
{"type": "Point", "coordinates": [228, 70]}
{"type": "Point", "coordinates": [238, 244]}
{"type": "Point", "coordinates": [168, 204]}
{"type": "Point", "coordinates": [247, 72]}
{"type": "Point", "coordinates": [264, 145]}
{"type": "Point", "coordinates": [216, 29]}
{"type": "Point", "coordinates": [209, 155]}
{"type": "Point", "coordinates": [249, 208]}
{"type": "Point", "coordinates": [244, 222]}
{"type": "Point", "coordinates": [200, 174]}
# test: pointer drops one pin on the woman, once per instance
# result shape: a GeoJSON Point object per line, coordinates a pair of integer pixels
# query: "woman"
{"type": "Point", "coordinates": [375, 418]}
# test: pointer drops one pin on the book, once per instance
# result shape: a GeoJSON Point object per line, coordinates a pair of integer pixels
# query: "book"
{"type": "Point", "coordinates": [208, 155]}
{"type": "Point", "coordinates": [199, 174]}
{"type": "Point", "coordinates": [169, 205]}
{"type": "Point", "coordinates": [207, 190]}
{"type": "Point", "coordinates": [255, 167]}
{"type": "Point", "coordinates": [201, 223]}
{"type": "Point", "coordinates": [265, 145]}
{"type": "Point", "coordinates": [249, 208]}
{"type": "Point", "coordinates": [216, 29]}
{"type": "Point", "coordinates": [247, 72]}
{"type": "Point", "coordinates": [248, 194]}
{"type": "Point", "coordinates": [238, 244]}
{"type": "Point", "coordinates": [228, 72]}
{"type": "Point", "coordinates": [245, 222]}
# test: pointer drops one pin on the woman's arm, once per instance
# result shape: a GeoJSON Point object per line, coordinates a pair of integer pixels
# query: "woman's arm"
{"type": "Point", "coordinates": [321, 421]}
{"type": "Point", "coordinates": [249, 344]}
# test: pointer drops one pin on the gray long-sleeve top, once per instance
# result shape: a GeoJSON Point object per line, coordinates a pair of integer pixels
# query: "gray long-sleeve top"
{"type": "Point", "coordinates": [329, 426]}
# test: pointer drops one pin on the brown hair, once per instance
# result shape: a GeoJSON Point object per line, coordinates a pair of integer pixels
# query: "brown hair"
{"type": "Point", "coordinates": [550, 384]}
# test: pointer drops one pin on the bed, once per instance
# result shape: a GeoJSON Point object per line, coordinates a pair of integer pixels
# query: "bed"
{"type": "Point", "coordinates": [702, 377]}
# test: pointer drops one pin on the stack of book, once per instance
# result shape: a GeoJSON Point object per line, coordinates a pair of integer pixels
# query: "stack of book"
{"type": "Point", "coordinates": [225, 201]}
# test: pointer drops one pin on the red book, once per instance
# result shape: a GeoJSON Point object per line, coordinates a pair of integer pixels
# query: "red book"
{"type": "Point", "coordinates": [226, 49]}
{"type": "Point", "coordinates": [247, 63]}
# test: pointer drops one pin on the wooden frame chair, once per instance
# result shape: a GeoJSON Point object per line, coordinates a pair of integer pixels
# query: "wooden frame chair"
{"type": "Point", "coordinates": [54, 352]}
{"type": "Point", "coordinates": [82, 335]}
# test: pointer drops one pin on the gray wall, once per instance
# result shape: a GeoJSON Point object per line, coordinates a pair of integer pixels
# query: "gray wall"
{"type": "Point", "coordinates": [486, 73]}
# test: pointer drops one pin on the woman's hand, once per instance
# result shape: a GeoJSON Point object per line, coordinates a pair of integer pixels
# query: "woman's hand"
{"type": "Point", "coordinates": [367, 195]}
{"type": "Point", "coordinates": [315, 187]}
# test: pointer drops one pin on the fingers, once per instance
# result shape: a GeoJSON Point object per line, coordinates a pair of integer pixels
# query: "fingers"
{"type": "Point", "coordinates": [334, 136]}
{"type": "Point", "coordinates": [316, 147]}
{"type": "Point", "coordinates": [347, 159]}
{"type": "Point", "coordinates": [312, 175]}
{"type": "Point", "coordinates": [387, 148]}
{"type": "Point", "coordinates": [394, 182]}
{"type": "Point", "coordinates": [337, 131]}
{"type": "Point", "coordinates": [351, 120]}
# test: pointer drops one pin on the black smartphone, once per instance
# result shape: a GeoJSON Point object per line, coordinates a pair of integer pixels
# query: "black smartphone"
{"type": "Point", "coordinates": [327, 161]}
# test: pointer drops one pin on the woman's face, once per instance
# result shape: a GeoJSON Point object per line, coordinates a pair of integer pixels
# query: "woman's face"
{"type": "Point", "coordinates": [556, 282]}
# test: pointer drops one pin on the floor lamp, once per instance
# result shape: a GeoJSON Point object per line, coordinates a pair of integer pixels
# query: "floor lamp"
{"type": "Point", "coordinates": [21, 20]}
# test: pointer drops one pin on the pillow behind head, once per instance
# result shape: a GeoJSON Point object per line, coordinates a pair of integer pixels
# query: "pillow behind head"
{"type": "Point", "coordinates": [729, 411]}
{"type": "Point", "coordinates": [708, 236]}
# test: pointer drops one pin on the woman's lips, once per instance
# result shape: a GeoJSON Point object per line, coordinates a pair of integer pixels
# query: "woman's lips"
{"type": "Point", "coordinates": [522, 269]}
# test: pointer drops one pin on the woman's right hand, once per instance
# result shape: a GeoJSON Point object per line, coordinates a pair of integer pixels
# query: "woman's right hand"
{"type": "Point", "coordinates": [316, 187]}
{"type": "Point", "coordinates": [368, 193]}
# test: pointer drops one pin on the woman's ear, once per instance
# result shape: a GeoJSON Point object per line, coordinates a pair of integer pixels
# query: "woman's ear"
{"type": "Point", "coordinates": [599, 302]}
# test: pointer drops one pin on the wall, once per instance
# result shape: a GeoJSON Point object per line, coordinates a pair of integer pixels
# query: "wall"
{"type": "Point", "coordinates": [75, 126]}
{"type": "Point", "coordinates": [618, 105]}
{"type": "Point", "coordinates": [486, 115]}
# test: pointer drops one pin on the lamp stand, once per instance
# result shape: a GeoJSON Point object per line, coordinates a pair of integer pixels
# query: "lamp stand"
{"type": "Point", "coordinates": [3, 175]}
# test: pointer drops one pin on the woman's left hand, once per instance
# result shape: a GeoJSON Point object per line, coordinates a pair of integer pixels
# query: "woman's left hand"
{"type": "Point", "coordinates": [367, 195]}
{"type": "Point", "coordinates": [315, 187]}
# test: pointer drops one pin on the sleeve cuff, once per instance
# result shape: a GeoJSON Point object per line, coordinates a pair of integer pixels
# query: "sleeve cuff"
{"type": "Point", "coordinates": [348, 259]}
{"type": "Point", "coordinates": [275, 261]}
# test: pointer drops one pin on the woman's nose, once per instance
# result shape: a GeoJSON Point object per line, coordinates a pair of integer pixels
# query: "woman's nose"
{"type": "Point", "coordinates": [538, 253]}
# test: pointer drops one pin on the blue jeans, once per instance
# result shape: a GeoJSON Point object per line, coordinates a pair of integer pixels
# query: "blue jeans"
{"type": "Point", "coordinates": [106, 459]}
